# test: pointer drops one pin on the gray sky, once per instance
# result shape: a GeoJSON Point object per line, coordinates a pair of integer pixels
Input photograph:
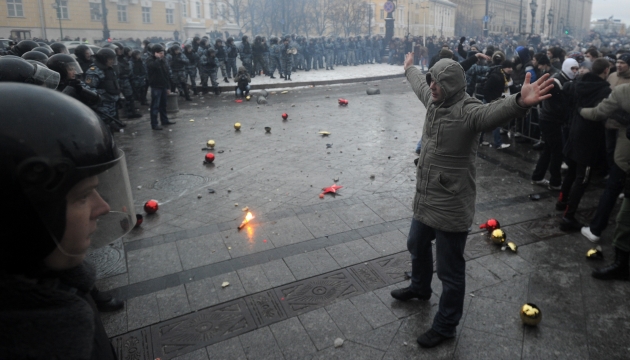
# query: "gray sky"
{"type": "Point", "coordinates": [620, 9]}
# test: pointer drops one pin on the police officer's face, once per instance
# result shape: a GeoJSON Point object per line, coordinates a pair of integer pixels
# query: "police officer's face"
{"type": "Point", "coordinates": [110, 62]}
{"type": "Point", "coordinates": [88, 54]}
{"type": "Point", "coordinates": [71, 73]}
{"type": "Point", "coordinates": [83, 206]}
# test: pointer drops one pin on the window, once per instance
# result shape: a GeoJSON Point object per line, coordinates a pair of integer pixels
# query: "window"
{"type": "Point", "coordinates": [15, 8]}
{"type": "Point", "coordinates": [184, 10]}
{"type": "Point", "coordinates": [198, 9]}
{"type": "Point", "coordinates": [95, 12]}
{"type": "Point", "coordinates": [382, 14]}
{"type": "Point", "coordinates": [169, 16]}
{"type": "Point", "coordinates": [122, 13]}
{"type": "Point", "coordinates": [62, 9]}
{"type": "Point", "coordinates": [146, 15]}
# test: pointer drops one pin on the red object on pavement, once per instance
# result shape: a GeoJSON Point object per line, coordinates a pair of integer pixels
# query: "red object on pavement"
{"type": "Point", "coordinates": [285, 116]}
{"type": "Point", "coordinates": [331, 189]}
{"type": "Point", "coordinates": [343, 102]}
{"type": "Point", "coordinates": [138, 220]}
{"type": "Point", "coordinates": [490, 225]}
{"type": "Point", "coordinates": [151, 206]}
{"type": "Point", "coordinates": [209, 158]}
{"type": "Point", "coordinates": [239, 100]}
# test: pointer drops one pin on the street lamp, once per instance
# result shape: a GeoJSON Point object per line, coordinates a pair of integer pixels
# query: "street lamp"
{"type": "Point", "coordinates": [533, 6]}
{"type": "Point", "coordinates": [550, 19]}
{"type": "Point", "coordinates": [424, 8]}
{"type": "Point", "coordinates": [57, 6]}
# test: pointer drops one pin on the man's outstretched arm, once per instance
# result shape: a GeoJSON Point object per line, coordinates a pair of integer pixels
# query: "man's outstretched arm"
{"type": "Point", "coordinates": [607, 107]}
{"type": "Point", "coordinates": [417, 80]}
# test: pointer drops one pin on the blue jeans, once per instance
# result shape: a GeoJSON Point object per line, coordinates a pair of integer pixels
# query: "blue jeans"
{"type": "Point", "coordinates": [239, 92]}
{"type": "Point", "coordinates": [158, 105]}
{"type": "Point", "coordinates": [451, 270]}
{"type": "Point", "coordinates": [608, 199]}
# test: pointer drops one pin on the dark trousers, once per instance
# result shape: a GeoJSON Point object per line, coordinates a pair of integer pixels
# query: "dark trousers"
{"type": "Point", "coordinates": [551, 156]}
{"type": "Point", "coordinates": [158, 105]}
{"type": "Point", "coordinates": [451, 270]}
{"type": "Point", "coordinates": [608, 199]}
{"type": "Point", "coordinates": [574, 185]}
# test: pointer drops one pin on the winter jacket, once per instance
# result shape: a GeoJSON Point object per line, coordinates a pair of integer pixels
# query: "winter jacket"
{"type": "Point", "coordinates": [586, 138]}
{"type": "Point", "coordinates": [617, 78]}
{"type": "Point", "coordinates": [618, 100]}
{"type": "Point", "coordinates": [496, 84]}
{"type": "Point", "coordinates": [445, 177]}
{"type": "Point", "coordinates": [555, 108]}
{"type": "Point", "coordinates": [52, 317]}
{"type": "Point", "coordinates": [158, 73]}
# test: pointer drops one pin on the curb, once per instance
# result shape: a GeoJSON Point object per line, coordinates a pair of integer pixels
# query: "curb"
{"type": "Point", "coordinates": [291, 84]}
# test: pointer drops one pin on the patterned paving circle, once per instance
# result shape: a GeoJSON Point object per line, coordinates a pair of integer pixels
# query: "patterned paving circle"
{"type": "Point", "coordinates": [180, 182]}
{"type": "Point", "coordinates": [108, 260]}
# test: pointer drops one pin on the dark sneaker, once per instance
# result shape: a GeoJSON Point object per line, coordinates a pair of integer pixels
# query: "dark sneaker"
{"type": "Point", "coordinates": [405, 294]}
{"type": "Point", "coordinates": [570, 224]}
{"type": "Point", "coordinates": [112, 304]}
{"type": "Point", "coordinates": [431, 339]}
{"type": "Point", "coordinates": [157, 127]}
{"type": "Point", "coordinates": [169, 123]}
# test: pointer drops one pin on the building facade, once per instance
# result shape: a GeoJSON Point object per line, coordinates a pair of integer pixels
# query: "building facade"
{"type": "Point", "coordinates": [49, 19]}
{"type": "Point", "coordinates": [417, 17]}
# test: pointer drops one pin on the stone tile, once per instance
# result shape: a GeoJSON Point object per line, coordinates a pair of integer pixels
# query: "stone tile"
{"type": "Point", "coordinates": [343, 255]}
{"type": "Point", "coordinates": [323, 223]}
{"type": "Point", "coordinates": [399, 308]}
{"type": "Point", "coordinates": [265, 308]}
{"type": "Point", "coordinates": [380, 338]}
{"type": "Point", "coordinates": [287, 231]}
{"type": "Point", "coordinates": [321, 328]}
{"type": "Point", "coordinates": [115, 323]}
{"type": "Point", "coordinates": [137, 344]}
{"type": "Point", "coordinates": [543, 342]}
{"type": "Point", "coordinates": [172, 302]}
{"type": "Point", "coordinates": [142, 311]}
{"type": "Point", "coordinates": [473, 344]}
{"type": "Point", "coordinates": [232, 291]}
{"type": "Point", "coordinates": [478, 277]}
{"type": "Point", "coordinates": [202, 250]}
{"type": "Point", "coordinates": [607, 330]}
{"type": "Point", "coordinates": [497, 267]}
{"type": "Point", "coordinates": [200, 354]}
{"type": "Point", "coordinates": [201, 294]}
{"type": "Point", "coordinates": [404, 346]}
{"type": "Point", "coordinates": [349, 350]}
{"type": "Point", "coordinates": [388, 243]}
{"type": "Point", "coordinates": [513, 290]}
{"type": "Point", "coordinates": [357, 216]}
{"type": "Point", "coordinates": [277, 273]}
{"type": "Point", "coordinates": [260, 344]}
{"type": "Point", "coordinates": [348, 318]}
{"type": "Point", "coordinates": [293, 339]}
{"type": "Point", "coordinates": [153, 262]}
{"type": "Point", "coordinates": [392, 268]}
{"type": "Point", "coordinates": [373, 310]}
{"type": "Point", "coordinates": [322, 261]}
{"type": "Point", "coordinates": [389, 209]}
{"type": "Point", "coordinates": [301, 266]}
{"type": "Point", "coordinates": [618, 352]}
{"type": "Point", "coordinates": [251, 239]}
{"type": "Point", "coordinates": [199, 329]}
{"type": "Point", "coordinates": [253, 279]}
{"type": "Point", "coordinates": [363, 250]}
{"type": "Point", "coordinates": [495, 317]}
{"type": "Point", "coordinates": [230, 349]}
{"type": "Point", "coordinates": [367, 276]}
{"type": "Point", "coordinates": [112, 282]}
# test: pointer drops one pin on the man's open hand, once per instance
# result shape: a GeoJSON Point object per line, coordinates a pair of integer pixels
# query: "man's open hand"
{"type": "Point", "coordinates": [481, 56]}
{"type": "Point", "coordinates": [532, 94]}
{"type": "Point", "coordinates": [408, 60]}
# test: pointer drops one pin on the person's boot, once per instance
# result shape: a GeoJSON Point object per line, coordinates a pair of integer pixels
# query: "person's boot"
{"type": "Point", "coordinates": [405, 294]}
{"type": "Point", "coordinates": [272, 77]}
{"type": "Point", "coordinates": [286, 77]}
{"type": "Point", "coordinates": [331, 68]}
{"type": "Point", "coordinates": [186, 93]}
{"type": "Point", "coordinates": [569, 222]}
{"type": "Point", "coordinates": [289, 77]}
{"type": "Point", "coordinates": [618, 270]}
{"type": "Point", "coordinates": [226, 80]}
{"type": "Point", "coordinates": [106, 302]}
{"type": "Point", "coordinates": [131, 110]}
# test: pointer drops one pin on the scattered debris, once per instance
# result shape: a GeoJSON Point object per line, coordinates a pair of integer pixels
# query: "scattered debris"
{"type": "Point", "coordinates": [284, 92]}
{"type": "Point", "coordinates": [211, 191]}
{"type": "Point", "coordinates": [372, 176]}
{"type": "Point", "coordinates": [225, 284]}
{"type": "Point", "coordinates": [338, 342]}
{"type": "Point", "coordinates": [261, 100]}
{"type": "Point", "coordinates": [373, 91]}
{"type": "Point", "coordinates": [534, 197]}
{"type": "Point", "coordinates": [139, 187]}
{"type": "Point", "coordinates": [324, 133]}
{"type": "Point", "coordinates": [267, 129]}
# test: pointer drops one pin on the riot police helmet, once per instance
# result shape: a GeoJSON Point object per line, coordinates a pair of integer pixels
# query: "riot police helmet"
{"type": "Point", "coordinates": [44, 50]}
{"type": "Point", "coordinates": [81, 52]}
{"type": "Point", "coordinates": [35, 55]}
{"type": "Point", "coordinates": [230, 40]}
{"type": "Point", "coordinates": [24, 46]}
{"type": "Point", "coordinates": [60, 48]}
{"type": "Point", "coordinates": [53, 177]}
{"type": "Point", "coordinates": [15, 69]}
{"type": "Point", "coordinates": [126, 51]}
{"type": "Point", "coordinates": [157, 48]}
{"type": "Point", "coordinates": [64, 64]}
{"type": "Point", "coordinates": [244, 38]}
{"type": "Point", "coordinates": [105, 54]}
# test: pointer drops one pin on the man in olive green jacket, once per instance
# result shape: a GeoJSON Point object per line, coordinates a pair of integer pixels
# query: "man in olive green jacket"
{"type": "Point", "coordinates": [617, 101]}
{"type": "Point", "coordinates": [444, 203]}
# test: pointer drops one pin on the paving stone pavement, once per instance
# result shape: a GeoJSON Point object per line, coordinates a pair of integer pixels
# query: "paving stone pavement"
{"type": "Point", "coordinates": [307, 270]}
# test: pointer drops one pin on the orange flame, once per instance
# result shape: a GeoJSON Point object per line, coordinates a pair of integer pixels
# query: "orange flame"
{"type": "Point", "coordinates": [248, 217]}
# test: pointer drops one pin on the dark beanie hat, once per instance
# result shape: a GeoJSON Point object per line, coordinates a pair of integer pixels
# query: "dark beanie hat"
{"type": "Point", "coordinates": [625, 58]}
{"type": "Point", "coordinates": [446, 54]}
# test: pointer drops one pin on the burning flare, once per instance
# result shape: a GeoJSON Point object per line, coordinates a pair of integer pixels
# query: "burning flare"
{"type": "Point", "coordinates": [248, 217]}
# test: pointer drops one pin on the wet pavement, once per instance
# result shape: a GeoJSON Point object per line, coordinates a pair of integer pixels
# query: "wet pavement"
{"type": "Point", "coordinates": [306, 270]}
